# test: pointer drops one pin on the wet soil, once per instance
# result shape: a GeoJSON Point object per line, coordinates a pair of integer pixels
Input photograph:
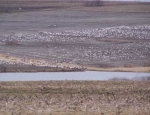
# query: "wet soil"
{"type": "Point", "coordinates": [63, 36]}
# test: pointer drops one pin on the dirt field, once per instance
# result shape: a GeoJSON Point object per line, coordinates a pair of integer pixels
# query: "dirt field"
{"type": "Point", "coordinates": [74, 36]}
{"type": "Point", "coordinates": [75, 98]}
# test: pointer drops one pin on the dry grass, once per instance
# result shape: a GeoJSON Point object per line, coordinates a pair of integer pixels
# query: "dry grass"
{"type": "Point", "coordinates": [123, 69]}
{"type": "Point", "coordinates": [75, 98]}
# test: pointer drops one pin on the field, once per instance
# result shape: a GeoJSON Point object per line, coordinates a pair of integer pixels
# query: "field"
{"type": "Point", "coordinates": [70, 36]}
{"type": "Point", "coordinates": [59, 36]}
{"type": "Point", "coordinates": [75, 98]}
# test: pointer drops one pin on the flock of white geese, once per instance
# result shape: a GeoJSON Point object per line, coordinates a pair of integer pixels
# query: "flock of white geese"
{"type": "Point", "coordinates": [85, 45]}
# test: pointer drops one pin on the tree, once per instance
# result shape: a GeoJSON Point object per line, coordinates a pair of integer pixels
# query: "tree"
{"type": "Point", "coordinates": [94, 3]}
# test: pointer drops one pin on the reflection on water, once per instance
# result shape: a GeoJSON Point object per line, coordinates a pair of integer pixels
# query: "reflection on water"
{"type": "Point", "coordinates": [88, 75]}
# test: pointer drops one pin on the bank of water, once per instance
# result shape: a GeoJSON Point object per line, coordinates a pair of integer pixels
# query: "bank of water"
{"type": "Point", "coordinates": [88, 75]}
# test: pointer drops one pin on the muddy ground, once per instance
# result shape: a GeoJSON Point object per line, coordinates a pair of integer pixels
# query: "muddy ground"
{"type": "Point", "coordinates": [75, 37]}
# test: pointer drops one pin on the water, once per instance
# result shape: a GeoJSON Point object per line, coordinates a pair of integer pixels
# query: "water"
{"type": "Point", "coordinates": [88, 75]}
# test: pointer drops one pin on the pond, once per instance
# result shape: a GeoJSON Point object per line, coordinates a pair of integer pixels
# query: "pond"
{"type": "Point", "coordinates": [88, 75]}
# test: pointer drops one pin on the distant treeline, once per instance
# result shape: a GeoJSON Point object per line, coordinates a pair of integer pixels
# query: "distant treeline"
{"type": "Point", "coordinates": [94, 3]}
{"type": "Point", "coordinates": [143, 78]}
{"type": "Point", "coordinates": [135, 78]}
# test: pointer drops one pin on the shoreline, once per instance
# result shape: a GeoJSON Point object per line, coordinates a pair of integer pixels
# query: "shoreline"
{"type": "Point", "coordinates": [24, 66]}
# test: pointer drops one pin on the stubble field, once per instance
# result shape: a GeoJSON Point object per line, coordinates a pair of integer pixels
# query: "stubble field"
{"type": "Point", "coordinates": [75, 98]}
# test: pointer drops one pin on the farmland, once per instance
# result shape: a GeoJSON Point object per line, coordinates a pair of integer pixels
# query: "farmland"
{"type": "Point", "coordinates": [75, 97]}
